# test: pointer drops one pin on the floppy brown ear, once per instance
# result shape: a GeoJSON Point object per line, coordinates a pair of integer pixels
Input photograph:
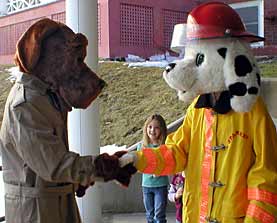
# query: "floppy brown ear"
{"type": "Point", "coordinates": [28, 46]}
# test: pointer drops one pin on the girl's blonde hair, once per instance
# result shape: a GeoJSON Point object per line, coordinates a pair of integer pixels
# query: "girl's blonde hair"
{"type": "Point", "coordinates": [163, 128]}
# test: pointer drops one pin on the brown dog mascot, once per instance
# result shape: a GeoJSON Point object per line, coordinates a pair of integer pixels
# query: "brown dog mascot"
{"type": "Point", "coordinates": [41, 175]}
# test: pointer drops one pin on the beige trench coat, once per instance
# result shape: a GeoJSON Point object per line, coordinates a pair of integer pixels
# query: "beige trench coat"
{"type": "Point", "coordinates": [38, 170]}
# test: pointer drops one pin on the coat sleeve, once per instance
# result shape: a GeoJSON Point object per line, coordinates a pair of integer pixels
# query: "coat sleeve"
{"type": "Point", "coordinates": [262, 177]}
{"type": "Point", "coordinates": [44, 151]}
{"type": "Point", "coordinates": [171, 157]}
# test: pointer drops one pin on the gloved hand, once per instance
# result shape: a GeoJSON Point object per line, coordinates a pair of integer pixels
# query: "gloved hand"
{"type": "Point", "coordinates": [125, 173]}
{"type": "Point", "coordinates": [107, 166]}
{"type": "Point", "coordinates": [81, 191]}
{"type": "Point", "coordinates": [128, 158]}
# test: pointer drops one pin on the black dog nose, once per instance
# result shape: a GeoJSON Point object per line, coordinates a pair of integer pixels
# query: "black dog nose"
{"type": "Point", "coordinates": [170, 67]}
{"type": "Point", "coordinates": [102, 84]}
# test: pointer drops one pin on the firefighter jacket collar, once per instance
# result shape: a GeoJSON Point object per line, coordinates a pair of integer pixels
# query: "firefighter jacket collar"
{"type": "Point", "coordinates": [222, 105]}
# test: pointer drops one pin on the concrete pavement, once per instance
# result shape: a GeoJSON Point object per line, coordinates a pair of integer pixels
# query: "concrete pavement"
{"type": "Point", "coordinates": [137, 217]}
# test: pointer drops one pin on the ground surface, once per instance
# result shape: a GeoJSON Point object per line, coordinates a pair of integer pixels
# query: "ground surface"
{"type": "Point", "coordinates": [132, 217]}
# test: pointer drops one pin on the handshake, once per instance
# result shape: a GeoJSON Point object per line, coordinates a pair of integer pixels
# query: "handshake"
{"type": "Point", "coordinates": [118, 167]}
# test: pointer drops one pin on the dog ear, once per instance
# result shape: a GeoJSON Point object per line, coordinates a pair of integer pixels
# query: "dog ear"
{"type": "Point", "coordinates": [241, 73]}
{"type": "Point", "coordinates": [29, 45]}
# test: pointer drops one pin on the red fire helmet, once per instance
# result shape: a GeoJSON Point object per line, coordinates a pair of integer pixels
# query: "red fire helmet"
{"type": "Point", "coordinates": [217, 20]}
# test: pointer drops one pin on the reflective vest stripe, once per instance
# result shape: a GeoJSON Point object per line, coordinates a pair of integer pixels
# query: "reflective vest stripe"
{"type": "Point", "coordinates": [262, 195]}
{"type": "Point", "coordinates": [151, 163]}
{"type": "Point", "coordinates": [206, 166]}
{"type": "Point", "coordinates": [169, 160]}
{"type": "Point", "coordinates": [259, 214]}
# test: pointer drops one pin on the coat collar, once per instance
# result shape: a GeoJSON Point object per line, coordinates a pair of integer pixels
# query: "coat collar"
{"type": "Point", "coordinates": [33, 83]}
{"type": "Point", "coordinates": [222, 105]}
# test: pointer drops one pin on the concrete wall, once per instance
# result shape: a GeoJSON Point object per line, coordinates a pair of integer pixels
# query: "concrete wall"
{"type": "Point", "coordinates": [151, 25]}
{"type": "Point", "coordinates": [13, 25]}
{"type": "Point", "coordinates": [111, 26]}
{"type": "Point", "coordinates": [117, 199]}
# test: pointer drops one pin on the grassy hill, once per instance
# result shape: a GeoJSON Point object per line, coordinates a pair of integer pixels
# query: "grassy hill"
{"type": "Point", "coordinates": [131, 96]}
{"type": "Point", "coordinates": [5, 86]}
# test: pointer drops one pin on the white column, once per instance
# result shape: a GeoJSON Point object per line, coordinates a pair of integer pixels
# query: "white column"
{"type": "Point", "coordinates": [84, 125]}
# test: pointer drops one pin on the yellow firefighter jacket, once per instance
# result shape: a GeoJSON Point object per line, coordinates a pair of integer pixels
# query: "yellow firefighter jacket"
{"type": "Point", "coordinates": [230, 162]}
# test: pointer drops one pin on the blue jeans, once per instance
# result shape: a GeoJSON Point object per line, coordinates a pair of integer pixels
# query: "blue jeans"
{"type": "Point", "coordinates": [155, 201]}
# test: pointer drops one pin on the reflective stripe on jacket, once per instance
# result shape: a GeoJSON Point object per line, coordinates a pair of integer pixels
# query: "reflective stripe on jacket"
{"type": "Point", "coordinates": [229, 162]}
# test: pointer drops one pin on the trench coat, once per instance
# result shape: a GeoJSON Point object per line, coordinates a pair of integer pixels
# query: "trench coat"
{"type": "Point", "coordinates": [40, 173]}
{"type": "Point", "coordinates": [229, 162]}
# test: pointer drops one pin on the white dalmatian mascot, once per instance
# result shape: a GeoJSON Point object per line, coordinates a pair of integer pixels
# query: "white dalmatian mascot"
{"type": "Point", "coordinates": [227, 144]}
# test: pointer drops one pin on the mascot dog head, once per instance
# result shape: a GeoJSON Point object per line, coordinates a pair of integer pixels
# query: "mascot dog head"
{"type": "Point", "coordinates": [52, 52]}
{"type": "Point", "coordinates": [217, 58]}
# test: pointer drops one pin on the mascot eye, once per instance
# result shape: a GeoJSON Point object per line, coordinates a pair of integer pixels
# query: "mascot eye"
{"type": "Point", "coordinates": [199, 59]}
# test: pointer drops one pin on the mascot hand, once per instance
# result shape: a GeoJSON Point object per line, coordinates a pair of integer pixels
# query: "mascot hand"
{"type": "Point", "coordinates": [128, 158]}
{"type": "Point", "coordinates": [107, 167]}
{"type": "Point", "coordinates": [124, 173]}
{"type": "Point", "coordinates": [81, 191]}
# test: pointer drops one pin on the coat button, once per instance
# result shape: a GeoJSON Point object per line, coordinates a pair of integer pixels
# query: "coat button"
{"type": "Point", "coordinates": [216, 184]}
{"type": "Point", "coordinates": [218, 148]}
{"type": "Point", "coordinates": [211, 220]}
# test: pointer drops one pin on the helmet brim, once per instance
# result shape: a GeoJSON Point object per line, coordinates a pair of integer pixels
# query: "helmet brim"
{"type": "Point", "coordinates": [184, 34]}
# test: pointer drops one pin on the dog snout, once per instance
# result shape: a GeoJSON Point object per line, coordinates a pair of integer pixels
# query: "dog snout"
{"type": "Point", "coordinates": [102, 84]}
{"type": "Point", "coordinates": [170, 67]}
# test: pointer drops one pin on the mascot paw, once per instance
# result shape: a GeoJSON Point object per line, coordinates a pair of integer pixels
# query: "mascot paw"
{"type": "Point", "coordinates": [125, 173]}
{"type": "Point", "coordinates": [81, 191]}
{"type": "Point", "coordinates": [108, 167]}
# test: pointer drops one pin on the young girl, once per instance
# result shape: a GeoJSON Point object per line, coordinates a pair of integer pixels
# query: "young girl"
{"type": "Point", "coordinates": [154, 187]}
{"type": "Point", "coordinates": [175, 193]}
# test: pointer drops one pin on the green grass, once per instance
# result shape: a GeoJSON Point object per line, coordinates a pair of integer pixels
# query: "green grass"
{"type": "Point", "coordinates": [269, 69]}
{"type": "Point", "coordinates": [131, 96]}
{"type": "Point", "coordinates": [4, 88]}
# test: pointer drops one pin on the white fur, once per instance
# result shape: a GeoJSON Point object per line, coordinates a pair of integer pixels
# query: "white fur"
{"type": "Point", "coordinates": [240, 103]}
{"type": "Point", "coordinates": [214, 74]}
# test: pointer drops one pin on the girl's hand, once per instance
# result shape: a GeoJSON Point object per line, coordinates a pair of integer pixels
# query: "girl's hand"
{"type": "Point", "coordinates": [179, 193]}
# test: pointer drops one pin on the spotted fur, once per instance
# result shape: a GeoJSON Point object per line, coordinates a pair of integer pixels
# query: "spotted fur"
{"type": "Point", "coordinates": [217, 65]}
